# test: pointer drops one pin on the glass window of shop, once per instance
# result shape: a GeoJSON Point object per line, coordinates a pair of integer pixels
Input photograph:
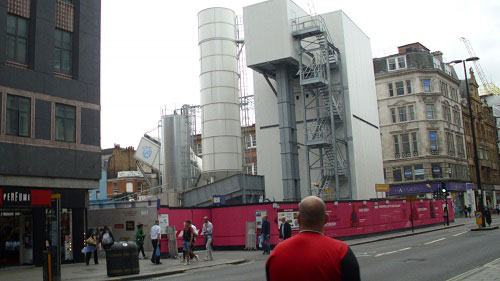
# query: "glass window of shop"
{"type": "Point", "coordinates": [66, 231]}
{"type": "Point", "coordinates": [16, 238]}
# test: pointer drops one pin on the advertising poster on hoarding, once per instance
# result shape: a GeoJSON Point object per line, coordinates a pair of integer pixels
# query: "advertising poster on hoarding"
{"type": "Point", "coordinates": [258, 218]}
{"type": "Point", "coordinates": [291, 217]}
{"type": "Point", "coordinates": [163, 218]}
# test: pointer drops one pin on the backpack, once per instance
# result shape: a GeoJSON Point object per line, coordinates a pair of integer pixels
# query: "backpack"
{"type": "Point", "coordinates": [106, 239]}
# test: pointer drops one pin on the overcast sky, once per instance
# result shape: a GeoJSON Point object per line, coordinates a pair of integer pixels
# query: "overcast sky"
{"type": "Point", "coordinates": [149, 48]}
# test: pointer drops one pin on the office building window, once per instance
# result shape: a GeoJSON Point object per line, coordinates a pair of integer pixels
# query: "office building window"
{"type": "Point", "coordinates": [450, 143]}
{"type": "Point", "coordinates": [396, 174]}
{"type": "Point", "coordinates": [429, 111]}
{"type": "Point", "coordinates": [401, 62]}
{"type": "Point", "coordinates": [419, 171]}
{"type": "Point", "coordinates": [411, 110]}
{"type": "Point", "coordinates": [457, 120]}
{"type": "Point", "coordinates": [115, 188]}
{"type": "Point", "coordinates": [391, 89]}
{"type": "Point", "coordinates": [65, 123]}
{"type": "Point", "coordinates": [408, 87]}
{"type": "Point", "coordinates": [402, 114]}
{"type": "Point", "coordinates": [405, 142]}
{"type": "Point", "coordinates": [454, 95]}
{"type": "Point", "coordinates": [400, 88]}
{"type": "Point", "coordinates": [139, 187]}
{"type": "Point", "coordinates": [444, 89]}
{"type": "Point", "coordinates": [396, 63]}
{"type": "Point", "coordinates": [436, 170]}
{"type": "Point", "coordinates": [393, 115]}
{"type": "Point", "coordinates": [414, 143]}
{"type": "Point", "coordinates": [63, 50]}
{"type": "Point", "coordinates": [460, 146]}
{"type": "Point", "coordinates": [18, 116]}
{"type": "Point", "coordinates": [17, 39]}
{"type": "Point", "coordinates": [433, 141]}
{"type": "Point", "coordinates": [446, 113]}
{"type": "Point", "coordinates": [396, 146]}
{"type": "Point", "coordinates": [408, 173]}
{"type": "Point", "coordinates": [198, 148]}
{"type": "Point", "coordinates": [426, 85]}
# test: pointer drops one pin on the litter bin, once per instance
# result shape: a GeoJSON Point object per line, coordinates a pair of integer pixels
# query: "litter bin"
{"type": "Point", "coordinates": [122, 259]}
{"type": "Point", "coordinates": [50, 270]}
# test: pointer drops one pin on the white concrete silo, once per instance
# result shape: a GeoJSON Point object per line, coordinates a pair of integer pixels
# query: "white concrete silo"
{"type": "Point", "coordinates": [219, 98]}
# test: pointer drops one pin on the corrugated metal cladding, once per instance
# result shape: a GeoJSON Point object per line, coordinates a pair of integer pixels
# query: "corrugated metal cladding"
{"type": "Point", "coordinates": [19, 7]}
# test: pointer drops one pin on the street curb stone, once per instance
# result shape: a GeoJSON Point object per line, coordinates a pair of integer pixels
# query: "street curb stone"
{"type": "Point", "coordinates": [172, 272]}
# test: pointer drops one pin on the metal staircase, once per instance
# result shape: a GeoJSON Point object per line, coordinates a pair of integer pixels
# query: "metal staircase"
{"type": "Point", "coordinates": [324, 110]}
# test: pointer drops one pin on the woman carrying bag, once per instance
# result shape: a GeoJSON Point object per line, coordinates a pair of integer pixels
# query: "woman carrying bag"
{"type": "Point", "coordinates": [91, 248]}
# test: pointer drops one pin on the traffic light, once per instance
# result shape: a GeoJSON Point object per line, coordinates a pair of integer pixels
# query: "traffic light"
{"type": "Point", "coordinates": [444, 190]}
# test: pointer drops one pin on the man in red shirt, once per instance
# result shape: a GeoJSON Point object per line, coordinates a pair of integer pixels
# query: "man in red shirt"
{"type": "Point", "coordinates": [310, 255]}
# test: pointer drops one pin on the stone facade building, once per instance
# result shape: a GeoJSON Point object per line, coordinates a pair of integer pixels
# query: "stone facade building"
{"type": "Point", "coordinates": [486, 136]}
{"type": "Point", "coordinates": [420, 121]}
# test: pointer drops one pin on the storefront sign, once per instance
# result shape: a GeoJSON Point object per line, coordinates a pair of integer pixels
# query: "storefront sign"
{"type": "Point", "coordinates": [406, 189]}
{"type": "Point", "coordinates": [119, 226]}
{"type": "Point", "coordinates": [22, 197]}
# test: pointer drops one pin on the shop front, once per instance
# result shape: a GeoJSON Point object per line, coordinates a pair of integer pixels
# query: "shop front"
{"type": "Point", "coordinates": [459, 192]}
{"type": "Point", "coordinates": [28, 222]}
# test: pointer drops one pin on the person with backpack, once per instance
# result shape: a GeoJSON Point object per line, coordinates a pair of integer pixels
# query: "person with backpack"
{"type": "Point", "coordinates": [106, 238]}
{"type": "Point", "coordinates": [187, 241]}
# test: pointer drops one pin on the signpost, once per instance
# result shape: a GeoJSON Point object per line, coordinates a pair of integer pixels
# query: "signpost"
{"type": "Point", "coordinates": [56, 198]}
{"type": "Point", "coordinates": [411, 198]}
{"type": "Point", "coordinates": [381, 188]}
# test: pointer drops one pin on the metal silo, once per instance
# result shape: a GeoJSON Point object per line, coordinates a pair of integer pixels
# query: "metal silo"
{"type": "Point", "coordinates": [219, 98]}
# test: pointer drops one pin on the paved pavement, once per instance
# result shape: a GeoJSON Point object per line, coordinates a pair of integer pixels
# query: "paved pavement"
{"type": "Point", "coordinates": [487, 272]}
{"type": "Point", "coordinates": [249, 265]}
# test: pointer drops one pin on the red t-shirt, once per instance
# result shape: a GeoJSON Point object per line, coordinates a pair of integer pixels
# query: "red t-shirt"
{"type": "Point", "coordinates": [306, 256]}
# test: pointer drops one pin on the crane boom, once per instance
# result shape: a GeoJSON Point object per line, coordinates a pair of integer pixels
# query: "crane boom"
{"type": "Point", "coordinates": [489, 88]}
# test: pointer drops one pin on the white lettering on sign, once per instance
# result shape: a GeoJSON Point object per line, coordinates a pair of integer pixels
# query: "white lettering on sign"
{"type": "Point", "coordinates": [16, 197]}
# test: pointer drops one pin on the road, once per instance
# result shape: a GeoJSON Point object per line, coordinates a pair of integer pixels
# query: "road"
{"type": "Point", "coordinates": [438, 255]}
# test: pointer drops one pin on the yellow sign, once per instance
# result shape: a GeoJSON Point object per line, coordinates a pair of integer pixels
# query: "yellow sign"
{"type": "Point", "coordinates": [479, 218]}
{"type": "Point", "coordinates": [382, 187]}
{"type": "Point", "coordinates": [54, 196]}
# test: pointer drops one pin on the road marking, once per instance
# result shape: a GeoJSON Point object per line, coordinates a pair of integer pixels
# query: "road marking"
{"type": "Point", "coordinates": [440, 239]}
{"type": "Point", "coordinates": [459, 233]}
{"type": "Point", "coordinates": [392, 252]}
{"type": "Point", "coordinates": [474, 270]}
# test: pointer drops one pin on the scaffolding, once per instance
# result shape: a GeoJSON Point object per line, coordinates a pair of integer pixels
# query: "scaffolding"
{"type": "Point", "coordinates": [247, 105]}
{"type": "Point", "coordinates": [322, 91]}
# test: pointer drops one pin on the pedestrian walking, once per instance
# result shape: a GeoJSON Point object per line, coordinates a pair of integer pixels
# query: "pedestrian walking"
{"type": "Point", "coordinates": [139, 240]}
{"type": "Point", "coordinates": [91, 248]}
{"type": "Point", "coordinates": [487, 216]}
{"type": "Point", "coordinates": [446, 220]}
{"type": "Point", "coordinates": [266, 235]}
{"type": "Point", "coordinates": [106, 238]}
{"type": "Point", "coordinates": [155, 235]}
{"type": "Point", "coordinates": [469, 211]}
{"type": "Point", "coordinates": [192, 255]}
{"type": "Point", "coordinates": [498, 208]}
{"type": "Point", "coordinates": [285, 229]}
{"type": "Point", "coordinates": [310, 255]}
{"type": "Point", "coordinates": [187, 240]}
{"type": "Point", "coordinates": [465, 212]}
{"type": "Point", "coordinates": [207, 230]}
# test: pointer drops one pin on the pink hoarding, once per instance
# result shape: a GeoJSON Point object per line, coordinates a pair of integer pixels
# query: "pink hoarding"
{"type": "Point", "coordinates": [344, 218]}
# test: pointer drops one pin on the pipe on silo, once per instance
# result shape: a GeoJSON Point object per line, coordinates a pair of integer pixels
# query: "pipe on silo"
{"type": "Point", "coordinates": [219, 94]}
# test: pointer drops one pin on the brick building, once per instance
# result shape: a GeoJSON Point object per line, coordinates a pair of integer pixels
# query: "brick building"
{"type": "Point", "coordinates": [486, 137]}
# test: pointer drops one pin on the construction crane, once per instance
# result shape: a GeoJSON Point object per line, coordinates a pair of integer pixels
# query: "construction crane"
{"type": "Point", "coordinates": [487, 88]}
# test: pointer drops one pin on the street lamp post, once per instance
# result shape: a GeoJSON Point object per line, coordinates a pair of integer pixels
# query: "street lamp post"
{"type": "Point", "coordinates": [480, 205]}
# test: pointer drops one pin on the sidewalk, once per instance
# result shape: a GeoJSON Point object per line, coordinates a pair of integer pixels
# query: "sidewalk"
{"type": "Point", "coordinates": [487, 272]}
{"type": "Point", "coordinates": [80, 271]}
{"type": "Point", "coordinates": [467, 222]}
